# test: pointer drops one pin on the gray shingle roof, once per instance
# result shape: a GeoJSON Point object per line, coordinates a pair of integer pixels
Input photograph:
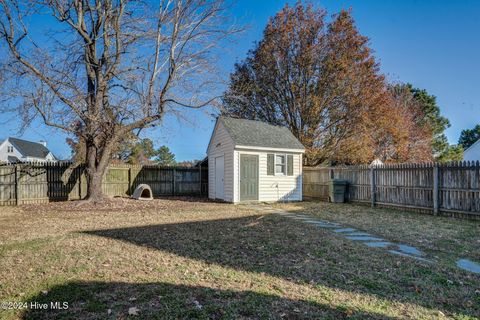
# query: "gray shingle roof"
{"type": "Point", "coordinates": [473, 145]}
{"type": "Point", "coordinates": [259, 134]}
{"type": "Point", "coordinates": [13, 159]}
{"type": "Point", "coordinates": [29, 149]}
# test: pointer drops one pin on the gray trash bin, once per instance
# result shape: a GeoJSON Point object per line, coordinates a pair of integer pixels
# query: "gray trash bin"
{"type": "Point", "coordinates": [337, 189]}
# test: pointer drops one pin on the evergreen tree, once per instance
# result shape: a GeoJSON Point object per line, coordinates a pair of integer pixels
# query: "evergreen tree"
{"type": "Point", "coordinates": [165, 157]}
{"type": "Point", "coordinates": [432, 118]}
{"type": "Point", "coordinates": [452, 153]}
{"type": "Point", "coordinates": [140, 152]}
{"type": "Point", "coordinates": [469, 137]}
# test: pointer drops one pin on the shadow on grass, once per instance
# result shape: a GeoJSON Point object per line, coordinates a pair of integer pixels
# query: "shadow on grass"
{"type": "Point", "coordinates": [194, 198]}
{"type": "Point", "coordinates": [305, 254]}
{"type": "Point", "coordinates": [92, 300]}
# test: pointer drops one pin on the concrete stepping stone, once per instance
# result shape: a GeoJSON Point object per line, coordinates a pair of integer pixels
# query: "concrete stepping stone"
{"type": "Point", "coordinates": [363, 238]}
{"type": "Point", "coordinates": [410, 250]}
{"type": "Point", "coordinates": [325, 225]}
{"type": "Point", "coordinates": [328, 222]}
{"type": "Point", "coordinates": [378, 244]}
{"type": "Point", "coordinates": [408, 255]}
{"type": "Point", "coordinates": [362, 234]}
{"type": "Point", "coordinates": [322, 221]}
{"type": "Point", "coordinates": [468, 265]}
{"type": "Point", "coordinates": [315, 221]}
{"type": "Point", "coordinates": [346, 230]}
{"type": "Point", "coordinates": [370, 240]}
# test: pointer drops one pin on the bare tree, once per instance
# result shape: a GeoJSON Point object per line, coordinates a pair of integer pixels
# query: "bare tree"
{"type": "Point", "coordinates": [100, 69]}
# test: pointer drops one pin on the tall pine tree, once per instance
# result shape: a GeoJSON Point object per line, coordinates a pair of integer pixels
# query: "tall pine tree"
{"type": "Point", "coordinates": [165, 157]}
{"type": "Point", "coordinates": [442, 151]}
{"type": "Point", "coordinates": [469, 137]}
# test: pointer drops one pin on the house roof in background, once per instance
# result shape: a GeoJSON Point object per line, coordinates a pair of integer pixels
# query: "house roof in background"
{"type": "Point", "coordinates": [260, 134]}
{"type": "Point", "coordinates": [13, 159]}
{"type": "Point", "coordinates": [474, 145]}
{"type": "Point", "coordinates": [29, 149]}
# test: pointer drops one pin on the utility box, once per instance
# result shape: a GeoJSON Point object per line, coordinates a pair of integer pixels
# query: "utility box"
{"type": "Point", "coordinates": [337, 189]}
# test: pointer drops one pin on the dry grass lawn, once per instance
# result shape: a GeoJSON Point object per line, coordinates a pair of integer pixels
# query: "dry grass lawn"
{"type": "Point", "coordinates": [176, 258]}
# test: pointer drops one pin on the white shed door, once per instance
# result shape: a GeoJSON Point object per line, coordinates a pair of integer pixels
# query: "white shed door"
{"type": "Point", "coordinates": [219, 172]}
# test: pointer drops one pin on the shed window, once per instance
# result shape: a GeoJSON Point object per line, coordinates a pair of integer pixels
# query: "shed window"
{"type": "Point", "coordinates": [9, 149]}
{"type": "Point", "coordinates": [280, 164]}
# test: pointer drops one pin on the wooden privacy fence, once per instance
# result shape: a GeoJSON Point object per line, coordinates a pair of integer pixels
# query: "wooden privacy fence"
{"type": "Point", "coordinates": [450, 188]}
{"type": "Point", "coordinates": [38, 183]}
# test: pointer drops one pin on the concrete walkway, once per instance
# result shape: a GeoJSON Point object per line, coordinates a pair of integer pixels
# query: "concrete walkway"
{"type": "Point", "coordinates": [370, 240]}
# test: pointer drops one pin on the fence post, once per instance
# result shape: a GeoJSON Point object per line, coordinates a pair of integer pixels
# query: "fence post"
{"type": "Point", "coordinates": [129, 191]}
{"type": "Point", "coordinates": [174, 173]}
{"type": "Point", "coordinates": [372, 185]}
{"type": "Point", "coordinates": [200, 177]}
{"type": "Point", "coordinates": [17, 184]}
{"type": "Point", "coordinates": [80, 172]}
{"type": "Point", "coordinates": [435, 189]}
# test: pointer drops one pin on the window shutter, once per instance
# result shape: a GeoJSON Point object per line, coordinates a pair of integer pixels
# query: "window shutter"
{"type": "Point", "coordinates": [290, 165]}
{"type": "Point", "coordinates": [270, 164]}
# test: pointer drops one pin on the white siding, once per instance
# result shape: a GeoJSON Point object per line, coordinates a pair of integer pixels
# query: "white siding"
{"type": "Point", "coordinates": [472, 153]}
{"type": "Point", "coordinates": [40, 160]}
{"type": "Point", "coordinates": [50, 157]}
{"type": "Point", "coordinates": [220, 144]}
{"type": "Point", "coordinates": [4, 154]}
{"type": "Point", "coordinates": [272, 188]}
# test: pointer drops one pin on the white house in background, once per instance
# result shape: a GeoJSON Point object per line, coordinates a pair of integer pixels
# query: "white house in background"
{"type": "Point", "coordinates": [376, 162]}
{"type": "Point", "coordinates": [472, 153]}
{"type": "Point", "coordinates": [253, 161]}
{"type": "Point", "coordinates": [18, 150]}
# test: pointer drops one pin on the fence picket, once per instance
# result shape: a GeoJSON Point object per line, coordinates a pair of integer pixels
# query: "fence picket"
{"type": "Point", "coordinates": [451, 187]}
{"type": "Point", "coordinates": [42, 182]}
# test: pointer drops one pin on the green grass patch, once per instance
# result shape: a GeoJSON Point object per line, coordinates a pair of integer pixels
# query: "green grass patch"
{"type": "Point", "coordinates": [173, 259]}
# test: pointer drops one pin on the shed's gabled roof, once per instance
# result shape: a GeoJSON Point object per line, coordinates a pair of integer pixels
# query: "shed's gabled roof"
{"type": "Point", "coordinates": [29, 149]}
{"type": "Point", "coordinates": [251, 133]}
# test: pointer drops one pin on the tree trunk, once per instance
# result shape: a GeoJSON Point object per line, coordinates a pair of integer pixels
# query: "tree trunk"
{"type": "Point", "coordinates": [94, 185]}
{"type": "Point", "coordinates": [97, 160]}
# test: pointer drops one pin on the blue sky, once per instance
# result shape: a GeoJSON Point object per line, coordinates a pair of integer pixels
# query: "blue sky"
{"type": "Point", "coordinates": [434, 45]}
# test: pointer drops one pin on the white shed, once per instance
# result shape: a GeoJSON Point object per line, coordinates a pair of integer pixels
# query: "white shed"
{"type": "Point", "coordinates": [472, 153]}
{"type": "Point", "coordinates": [253, 161]}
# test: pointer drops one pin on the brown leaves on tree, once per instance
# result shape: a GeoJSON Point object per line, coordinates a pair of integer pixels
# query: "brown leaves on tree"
{"type": "Point", "coordinates": [321, 81]}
